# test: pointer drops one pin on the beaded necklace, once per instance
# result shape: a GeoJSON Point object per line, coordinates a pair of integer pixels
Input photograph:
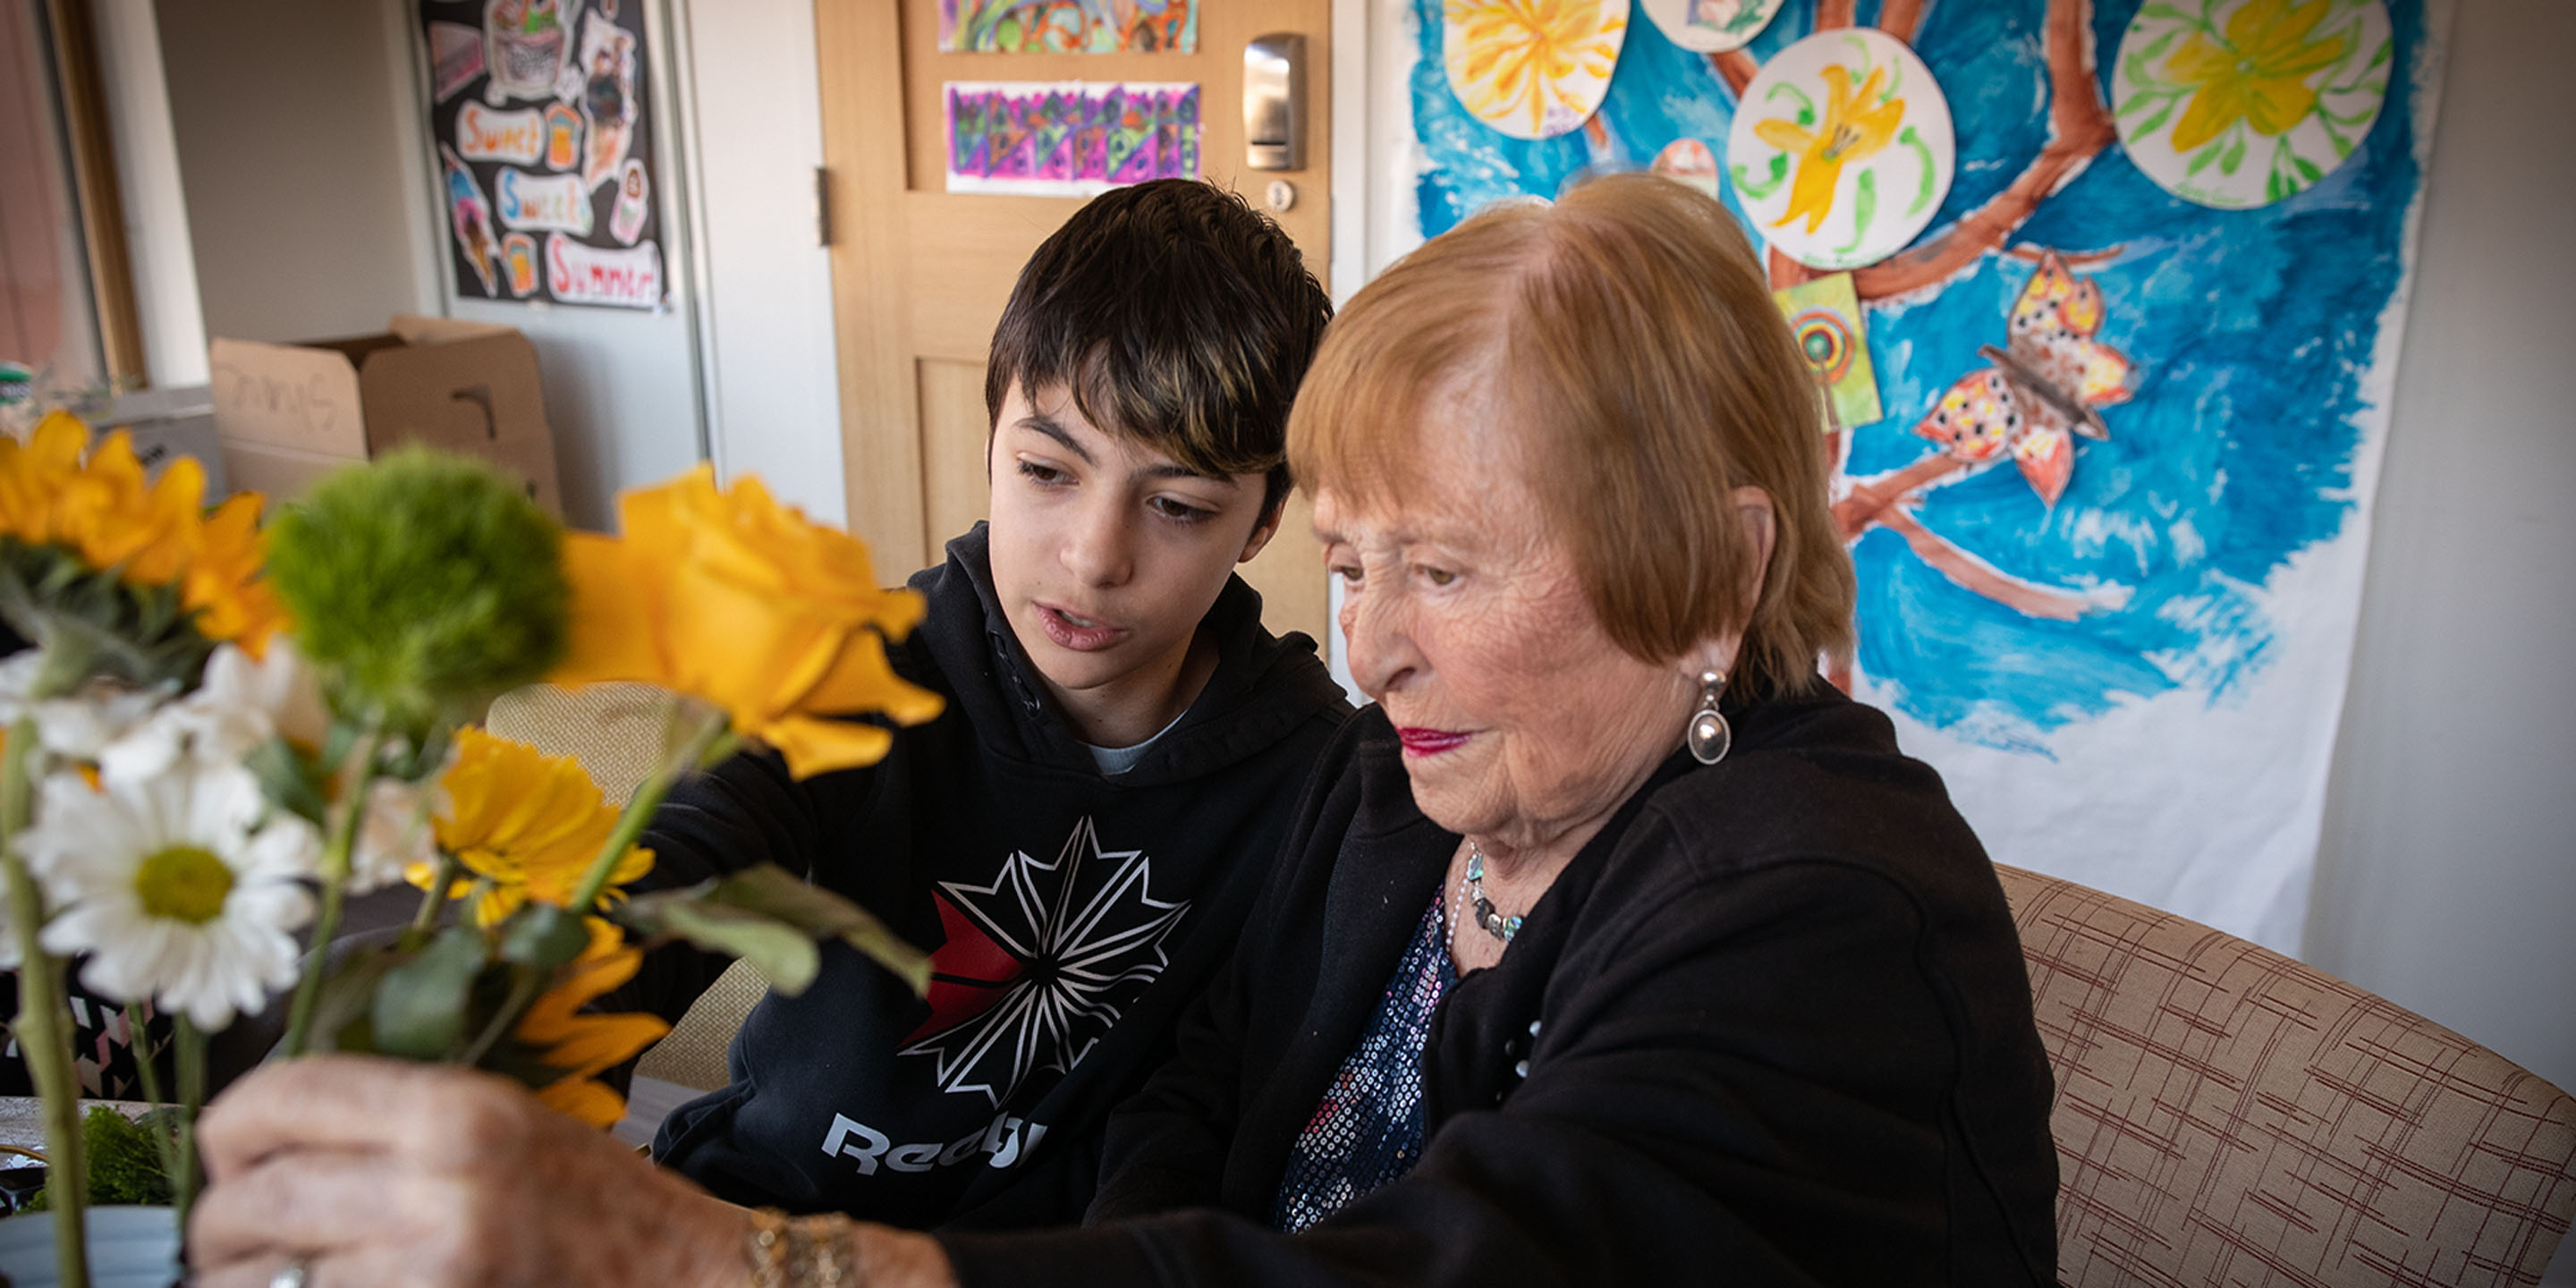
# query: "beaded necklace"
{"type": "Point", "coordinates": [1486, 916]}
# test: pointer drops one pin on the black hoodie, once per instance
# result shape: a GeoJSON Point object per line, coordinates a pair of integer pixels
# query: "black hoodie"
{"type": "Point", "coordinates": [1072, 918]}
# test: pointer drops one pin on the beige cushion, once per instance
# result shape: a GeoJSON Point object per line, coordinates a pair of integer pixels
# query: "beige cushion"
{"type": "Point", "coordinates": [615, 731]}
{"type": "Point", "coordinates": [2228, 1116]}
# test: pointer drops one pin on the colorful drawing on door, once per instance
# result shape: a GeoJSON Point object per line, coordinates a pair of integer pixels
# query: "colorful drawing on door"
{"type": "Point", "coordinates": [2243, 103]}
{"type": "Point", "coordinates": [1533, 69]}
{"type": "Point", "coordinates": [1846, 150]}
{"type": "Point", "coordinates": [1069, 138]}
{"type": "Point", "coordinates": [1069, 26]}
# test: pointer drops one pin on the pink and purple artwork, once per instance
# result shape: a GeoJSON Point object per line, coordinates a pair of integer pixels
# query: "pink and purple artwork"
{"type": "Point", "coordinates": [1069, 138]}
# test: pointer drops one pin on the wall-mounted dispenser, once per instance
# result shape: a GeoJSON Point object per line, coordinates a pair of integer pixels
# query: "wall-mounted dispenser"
{"type": "Point", "coordinates": [1274, 102]}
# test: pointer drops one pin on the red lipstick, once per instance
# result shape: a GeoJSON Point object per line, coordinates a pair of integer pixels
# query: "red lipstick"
{"type": "Point", "coordinates": [1430, 742]}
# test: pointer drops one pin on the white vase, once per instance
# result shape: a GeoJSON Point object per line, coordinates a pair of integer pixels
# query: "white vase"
{"type": "Point", "coordinates": [129, 1247]}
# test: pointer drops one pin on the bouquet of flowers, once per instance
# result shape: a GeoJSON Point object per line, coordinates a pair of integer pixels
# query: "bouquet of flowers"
{"type": "Point", "coordinates": [219, 731]}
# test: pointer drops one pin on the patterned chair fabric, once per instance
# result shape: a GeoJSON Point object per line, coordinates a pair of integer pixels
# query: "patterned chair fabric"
{"type": "Point", "coordinates": [2226, 1116]}
{"type": "Point", "coordinates": [615, 731]}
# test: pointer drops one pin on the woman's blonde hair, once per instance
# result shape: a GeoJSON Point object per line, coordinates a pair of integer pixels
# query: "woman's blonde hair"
{"type": "Point", "coordinates": [1627, 335]}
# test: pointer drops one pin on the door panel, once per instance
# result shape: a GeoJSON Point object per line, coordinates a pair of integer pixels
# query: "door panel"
{"type": "Point", "coordinates": [919, 277]}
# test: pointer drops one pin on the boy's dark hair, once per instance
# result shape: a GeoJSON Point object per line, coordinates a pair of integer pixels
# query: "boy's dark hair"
{"type": "Point", "coordinates": [1176, 316]}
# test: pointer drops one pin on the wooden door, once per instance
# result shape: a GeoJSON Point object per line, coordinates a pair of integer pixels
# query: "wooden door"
{"type": "Point", "coordinates": [919, 276]}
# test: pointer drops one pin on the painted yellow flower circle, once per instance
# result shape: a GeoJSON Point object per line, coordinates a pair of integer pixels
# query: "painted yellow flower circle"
{"type": "Point", "coordinates": [2242, 103]}
{"type": "Point", "coordinates": [1533, 69]}
{"type": "Point", "coordinates": [1842, 149]}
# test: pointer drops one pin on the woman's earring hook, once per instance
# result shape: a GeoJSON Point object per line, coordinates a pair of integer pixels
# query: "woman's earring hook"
{"type": "Point", "coordinates": [1709, 735]}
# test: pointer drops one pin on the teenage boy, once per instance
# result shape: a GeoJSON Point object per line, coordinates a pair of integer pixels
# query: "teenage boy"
{"type": "Point", "coordinates": [1079, 837]}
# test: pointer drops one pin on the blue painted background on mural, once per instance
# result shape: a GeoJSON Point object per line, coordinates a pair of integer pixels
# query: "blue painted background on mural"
{"type": "Point", "coordinates": [2252, 330]}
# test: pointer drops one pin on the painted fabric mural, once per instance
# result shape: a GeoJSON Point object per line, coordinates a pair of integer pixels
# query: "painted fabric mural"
{"type": "Point", "coordinates": [2110, 529]}
{"type": "Point", "coordinates": [545, 155]}
{"type": "Point", "coordinates": [1069, 26]}
{"type": "Point", "coordinates": [1068, 138]}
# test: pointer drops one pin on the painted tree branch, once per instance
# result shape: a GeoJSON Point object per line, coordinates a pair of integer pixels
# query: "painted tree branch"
{"type": "Point", "coordinates": [1833, 13]}
{"type": "Point", "coordinates": [1901, 18]}
{"type": "Point", "coordinates": [1736, 68]}
{"type": "Point", "coordinates": [2080, 127]}
{"type": "Point", "coordinates": [1982, 577]}
{"type": "Point", "coordinates": [1872, 500]}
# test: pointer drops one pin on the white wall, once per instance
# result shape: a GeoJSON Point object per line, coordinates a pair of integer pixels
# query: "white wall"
{"type": "Point", "coordinates": [2446, 880]}
{"type": "Point", "coordinates": [157, 244]}
{"type": "Point", "coordinates": [774, 388]}
{"type": "Point", "coordinates": [290, 163]}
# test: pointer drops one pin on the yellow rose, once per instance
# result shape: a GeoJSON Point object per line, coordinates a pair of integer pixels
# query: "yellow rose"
{"type": "Point", "coordinates": [729, 597]}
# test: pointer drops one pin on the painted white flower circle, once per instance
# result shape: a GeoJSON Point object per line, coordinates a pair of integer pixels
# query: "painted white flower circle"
{"type": "Point", "coordinates": [2242, 103]}
{"type": "Point", "coordinates": [174, 886]}
{"type": "Point", "coordinates": [1711, 26]}
{"type": "Point", "coordinates": [1842, 148]}
{"type": "Point", "coordinates": [1533, 69]}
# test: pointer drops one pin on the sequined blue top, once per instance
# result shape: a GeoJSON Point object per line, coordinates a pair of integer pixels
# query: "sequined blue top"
{"type": "Point", "coordinates": [1367, 1130]}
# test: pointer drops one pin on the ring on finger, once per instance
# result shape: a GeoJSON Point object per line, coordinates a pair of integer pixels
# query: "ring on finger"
{"type": "Point", "coordinates": [294, 1274]}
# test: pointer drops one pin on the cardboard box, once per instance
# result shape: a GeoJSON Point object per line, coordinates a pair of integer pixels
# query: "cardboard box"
{"type": "Point", "coordinates": [287, 414]}
{"type": "Point", "coordinates": [166, 424]}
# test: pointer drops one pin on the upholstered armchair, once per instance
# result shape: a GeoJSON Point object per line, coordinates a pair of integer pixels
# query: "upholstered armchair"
{"type": "Point", "coordinates": [2228, 1116]}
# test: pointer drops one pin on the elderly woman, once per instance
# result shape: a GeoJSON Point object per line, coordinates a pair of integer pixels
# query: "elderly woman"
{"type": "Point", "coordinates": [1611, 947]}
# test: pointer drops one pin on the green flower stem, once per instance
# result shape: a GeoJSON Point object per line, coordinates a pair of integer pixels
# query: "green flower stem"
{"type": "Point", "coordinates": [335, 884]}
{"type": "Point", "coordinates": [525, 985]}
{"type": "Point", "coordinates": [711, 725]}
{"type": "Point", "coordinates": [145, 1064]}
{"type": "Point", "coordinates": [435, 897]}
{"type": "Point", "coordinates": [191, 1044]}
{"type": "Point", "coordinates": [44, 1023]}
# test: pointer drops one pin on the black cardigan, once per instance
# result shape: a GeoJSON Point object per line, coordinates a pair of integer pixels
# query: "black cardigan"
{"type": "Point", "coordinates": [1770, 1027]}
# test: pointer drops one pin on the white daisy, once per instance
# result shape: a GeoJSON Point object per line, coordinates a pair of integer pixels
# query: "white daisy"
{"type": "Point", "coordinates": [175, 887]}
{"type": "Point", "coordinates": [241, 704]}
{"type": "Point", "coordinates": [396, 834]}
{"type": "Point", "coordinates": [78, 726]}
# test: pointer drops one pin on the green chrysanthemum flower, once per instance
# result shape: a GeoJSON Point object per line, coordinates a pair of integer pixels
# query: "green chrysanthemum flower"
{"type": "Point", "coordinates": [421, 585]}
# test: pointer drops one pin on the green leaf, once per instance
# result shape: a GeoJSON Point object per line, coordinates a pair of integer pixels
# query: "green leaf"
{"type": "Point", "coordinates": [287, 781]}
{"type": "Point", "coordinates": [344, 1014]}
{"type": "Point", "coordinates": [543, 936]}
{"type": "Point", "coordinates": [1761, 191]}
{"type": "Point", "coordinates": [2200, 160]}
{"type": "Point", "coordinates": [783, 954]}
{"type": "Point", "coordinates": [2234, 156]}
{"type": "Point", "coordinates": [715, 915]}
{"type": "Point", "coordinates": [421, 1005]}
{"type": "Point", "coordinates": [2162, 10]}
{"type": "Point", "coordinates": [1806, 105]}
{"type": "Point", "coordinates": [2307, 168]}
{"type": "Point", "coordinates": [2156, 121]}
{"type": "Point", "coordinates": [1924, 191]}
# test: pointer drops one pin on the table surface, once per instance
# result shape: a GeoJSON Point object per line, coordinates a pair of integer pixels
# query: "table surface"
{"type": "Point", "coordinates": [22, 1123]}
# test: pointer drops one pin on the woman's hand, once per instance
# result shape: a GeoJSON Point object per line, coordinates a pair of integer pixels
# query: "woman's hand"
{"type": "Point", "coordinates": [378, 1172]}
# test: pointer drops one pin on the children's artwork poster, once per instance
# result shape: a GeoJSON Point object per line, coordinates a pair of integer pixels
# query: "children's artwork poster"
{"type": "Point", "coordinates": [544, 147]}
{"type": "Point", "coordinates": [1069, 26]}
{"type": "Point", "coordinates": [2133, 354]}
{"type": "Point", "coordinates": [1069, 138]}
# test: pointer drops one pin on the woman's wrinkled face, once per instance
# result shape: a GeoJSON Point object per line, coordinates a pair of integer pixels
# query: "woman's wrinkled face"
{"type": "Point", "coordinates": [1466, 620]}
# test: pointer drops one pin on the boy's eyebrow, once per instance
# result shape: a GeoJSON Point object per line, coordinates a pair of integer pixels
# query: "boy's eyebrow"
{"type": "Point", "coordinates": [1170, 470]}
{"type": "Point", "coordinates": [1041, 423]}
{"type": "Point", "coordinates": [1044, 425]}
